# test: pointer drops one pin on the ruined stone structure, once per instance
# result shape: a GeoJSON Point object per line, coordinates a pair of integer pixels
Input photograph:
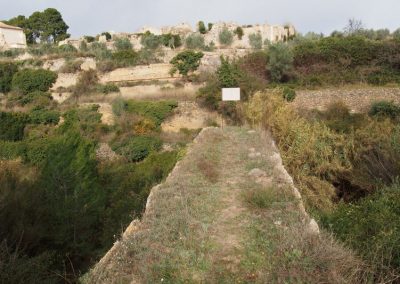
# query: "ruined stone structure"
{"type": "Point", "coordinates": [11, 37]}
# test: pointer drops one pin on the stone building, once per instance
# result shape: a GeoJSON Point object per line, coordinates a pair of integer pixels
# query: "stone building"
{"type": "Point", "coordinates": [11, 37]}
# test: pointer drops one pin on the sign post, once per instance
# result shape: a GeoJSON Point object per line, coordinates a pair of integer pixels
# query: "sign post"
{"type": "Point", "coordinates": [229, 95]}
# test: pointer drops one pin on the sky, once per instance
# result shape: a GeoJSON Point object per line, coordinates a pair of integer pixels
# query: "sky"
{"type": "Point", "coordinates": [91, 17]}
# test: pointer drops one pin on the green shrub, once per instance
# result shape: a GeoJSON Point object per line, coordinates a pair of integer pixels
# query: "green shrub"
{"type": "Point", "coordinates": [255, 40]}
{"type": "Point", "coordinates": [150, 41]}
{"type": "Point", "coordinates": [280, 61]}
{"type": "Point", "coordinates": [107, 35]}
{"type": "Point", "coordinates": [100, 51]}
{"type": "Point", "coordinates": [195, 41]}
{"type": "Point", "coordinates": [30, 80]}
{"type": "Point", "coordinates": [371, 226]}
{"type": "Point", "coordinates": [11, 53]}
{"type": "Point", "coordinates": [210, 26]}
{"type": "Point", "coordinates": [225, 37]}
{"type": "Point", "coordinates": [89, 39]}
{"type": "Point", "coordinates": [119, 106]}
{"type": "Point", "coordinates": [7, 71]}
{"type": "Point", "coordinates": [171, 40]}
{"type": "Point", "coordinates": [201, 27]}
{"type": "Point", "coordinates": [385, 109]}
{"type": "Point", "coordinates": [228, 74]}
{"type": "Point", "coordinates": [44, 116]}
{"type": "Point", "coordinates": [42, 49]}
{"type": "Point", "coordinates": [289, 94]}
{"type": "Point", "coordinates": [83, 47]}
{"type": "Point", "coordinates": [107, 88]}
{"type": "Point", "coordinates": [127, 57]}
{"type": "Point", "coordinates": [67, 48]}
{"type": "Point", "coordinates": [186, 61]}
{"type": "Point", "coordinates": [12, 126]}
{"type": "Point", "coordinates": [157, 111]}
{"type": "Point", "coordinates": [10, 150]}
{"type": "Point", "coordinates": [36, 98]}
{"type": "Point", "coordinates": [239, 32]}
{"type": "Point", "coordinates": [121, 44]}
{"type": "Point", "coordinates": [137, 148]}
{"type": "Point", "coordinates": [379, 78]}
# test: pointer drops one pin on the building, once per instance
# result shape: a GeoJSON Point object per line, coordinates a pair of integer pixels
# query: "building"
{"type": "Point", "coordinates": [11, 37]}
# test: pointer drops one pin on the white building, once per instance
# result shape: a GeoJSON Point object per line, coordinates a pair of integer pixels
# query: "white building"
{"type": "Point", "coordinates": [11, 37]}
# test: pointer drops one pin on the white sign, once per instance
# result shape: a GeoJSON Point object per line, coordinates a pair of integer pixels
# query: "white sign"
{"type": "Point", "coordinates": [231, 94]}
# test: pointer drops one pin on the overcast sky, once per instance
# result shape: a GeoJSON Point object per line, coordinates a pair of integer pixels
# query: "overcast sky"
{"type": "Point", "coordinates": [90, 17]}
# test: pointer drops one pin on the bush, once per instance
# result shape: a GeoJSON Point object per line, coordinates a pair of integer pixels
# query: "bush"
{"type": "Point", "coordinates": [255, 41]}
{"type": "Point", "coordinates": [239, 32]}
{"type": "Point", "coordinates": [371, 226]}
{"type": "Point", "coordinates": [106, 66]}
{"type": "Point", "coordinates": [107, 35]}
{"type": "Point", "coordinates": [171, 41]}
{"type": "Point", "coordinates": [124, 58]}
{"type": "Point", "coordinates": [210, 26]}
{"type": "Point", "coordinates": [225, 37]}
{"type": "Point", "coordinates": [280, 61]}
{"type": "Point", "coordinates": [228, 74]}
{"type": "Point", "coordinates": [36, 98]}
{"type": "Point", "coordinates": [44, 116]}
{"type": "Point", "coordinates": [289, 94]}
{"type": "Point", "coordinates": [30, 80]}
{"type": "Point", "coordinates": [186, 61]}
{"type": "Point", "coordinates": [7, 71]}
{"type": "Point", "coordinates": [201, 27]}
{"type": "Point", "coordinates": [121, 44]}
{"type": "Point", "coordinates": [150, 41]}
{"type": "Point", "coordinates": [12, 126]}
{"type": "Point", "coordinates": [137, 148]}
{"type": "Point", "coordinates": [67, 48]}
{"type": "Point", "coordinates": [100, 51]}
{"type": "Point", "coordinates": [89, 39]}
{"type": "Point", "coordinates": [71, 66]}
{"type": "Point", "coordinates": [385, 109]}
{"type": "Point", "coordinates": [107, 88]}
{"type": "Point", "coordinates": [157, 111]}
{"type": "Point", "coordinates": [195, 41]}
{"type": "Point", "coordinates": [87, 82]}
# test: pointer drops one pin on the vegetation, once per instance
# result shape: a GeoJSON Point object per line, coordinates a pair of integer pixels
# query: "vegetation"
{"type": "Point", "coordinates": [195, 41]}
{"type": "Point", "coordinates": [239, 32]}
{"type": "Point", "coordinates": [7, 71]}
{"type": "Point", "coordinates": [186, 62]}
{"type": "Point", "coordinates": [201, 27]}
{"type": "Point", "coordinates": [122, 44]}
{"type": "Point", "coordinates": [225, 37]}
{"type": "Point", "coordinates": [280, 61]}
{"type": "Point", "coordinates": [30, 80]}
{"type": "Point", "coordinates": [46, 26]}
{"type": "Point", "coordinates": [255, 41]}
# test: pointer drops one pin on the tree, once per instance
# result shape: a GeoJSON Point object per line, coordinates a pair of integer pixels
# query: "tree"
{"type": "Point", "coordinates": [46, 26]}
{"type": "Point", "coordinates": [7, 71]}
{"type": "Point", "coordinates": [54, 27]}
{"type": "Point", "coordinates": [255, 40]}
{"type": "Point", "coordinates": [107, 35]}
{"type": "Point", "coordinates": [225, 37]}
{"type": "Point", "coordinates": [239, 32]}
{"type": "Point", "coordinates": [201, 27]}
{"type": "Point", "coordinates": [354, 27]}
{"type": "Point", "coordinates": [210, 26]}
{"type": "Point", "coordinates": [186, 61]}
{"type": "Point", "coordinates": [280, 60]}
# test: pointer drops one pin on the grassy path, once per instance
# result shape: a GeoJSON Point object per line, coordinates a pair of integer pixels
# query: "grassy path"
{"type": "Point", "coordinates": [226, 214]}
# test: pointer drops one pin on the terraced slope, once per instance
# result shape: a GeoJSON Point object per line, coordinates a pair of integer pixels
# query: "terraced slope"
{"type": "Point", "coordinates": [228, 213]}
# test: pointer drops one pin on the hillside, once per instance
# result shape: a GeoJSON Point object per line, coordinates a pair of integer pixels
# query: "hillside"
{"type": "Point", "coordinates": [227, 213]}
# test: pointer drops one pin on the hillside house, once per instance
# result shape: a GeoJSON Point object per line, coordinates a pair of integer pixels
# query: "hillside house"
{"type": "Point", "coordinates": [11, 37]}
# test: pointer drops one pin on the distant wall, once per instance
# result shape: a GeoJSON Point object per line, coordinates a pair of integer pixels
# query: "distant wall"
{"type": "Point", "coordinates": [13, 38]}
